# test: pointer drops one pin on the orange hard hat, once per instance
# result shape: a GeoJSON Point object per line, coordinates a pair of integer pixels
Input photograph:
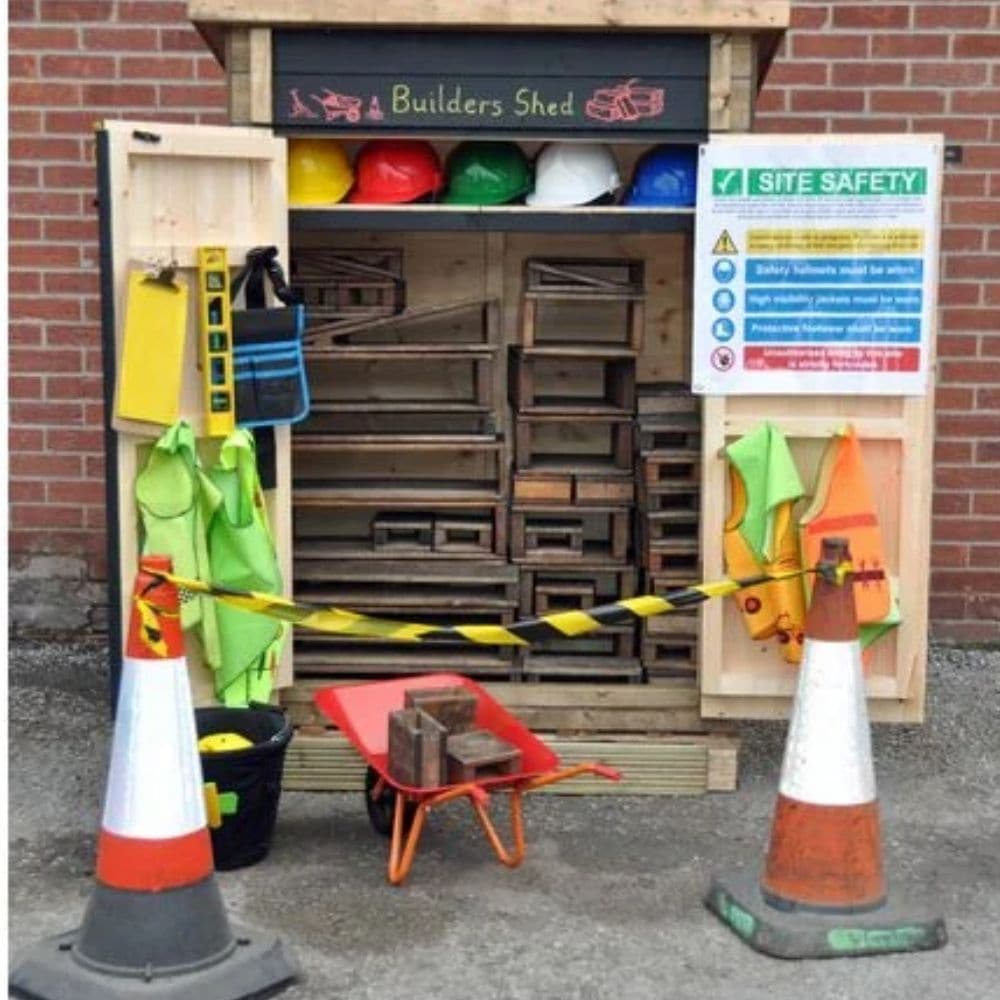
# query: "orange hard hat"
{"type": "Point", "coordinates": [391, 171]}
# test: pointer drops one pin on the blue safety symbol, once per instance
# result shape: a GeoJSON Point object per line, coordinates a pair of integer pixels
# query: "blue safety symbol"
{"type": "Point", "coordinates": [723, 328]}
{"type": "Point", "coordinates": [723, 300]}
{"type": "Point", "coordinates": [724, 270]}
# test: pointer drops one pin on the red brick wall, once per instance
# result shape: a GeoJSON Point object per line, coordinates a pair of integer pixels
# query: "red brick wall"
{"type": "Point", "coordinates": [928, 66]}
{"type": "Point", "coordinates": [845, 67]}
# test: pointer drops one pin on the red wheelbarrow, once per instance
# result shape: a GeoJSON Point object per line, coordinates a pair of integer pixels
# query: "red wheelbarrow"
{"type": "Point", "coordinates": [361, 712]}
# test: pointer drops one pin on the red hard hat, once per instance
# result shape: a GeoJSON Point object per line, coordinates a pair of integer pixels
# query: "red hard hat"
{"type": "Point", "coordinates": [390, 171]}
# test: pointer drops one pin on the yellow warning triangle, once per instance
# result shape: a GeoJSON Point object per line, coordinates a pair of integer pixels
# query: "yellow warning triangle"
{"type": "Point", "coordinates": [724, 245]}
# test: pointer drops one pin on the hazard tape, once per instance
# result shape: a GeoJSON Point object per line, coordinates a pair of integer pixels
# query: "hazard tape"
{"type": "Point", "coordinates": [561, 624]}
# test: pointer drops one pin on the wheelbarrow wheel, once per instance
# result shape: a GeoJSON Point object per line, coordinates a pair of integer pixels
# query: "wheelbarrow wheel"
{"type": "Point", "coordinates": [381, 809]}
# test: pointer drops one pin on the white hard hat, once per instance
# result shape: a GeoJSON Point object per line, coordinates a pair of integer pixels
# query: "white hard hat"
{"type": "Point", "coordinates": [573, 173]}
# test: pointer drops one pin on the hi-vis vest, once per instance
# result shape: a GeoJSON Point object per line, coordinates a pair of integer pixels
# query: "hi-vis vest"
{"type": "Point", "coordinates": [761, 536]}
{"type": "Point", "coordinates": [843, 506]}
{"type": "Point", "coordinates": [776, 609]}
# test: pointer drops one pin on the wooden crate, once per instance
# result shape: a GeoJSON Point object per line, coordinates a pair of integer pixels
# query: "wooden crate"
{"type": "Point", "coordinates": [570, 534]}
{"type": "Point", "coordinates": [584, 443]}
{"type": "Point", "coordinates": [607, 583]}
{"type": "Point", "coordinates": [611, 286]}
{"type": "Point", "coordinates": [678, 556]}
{"type": "Point", "coordinates": [667, 497]}
{"type": "Point", "coordinates": [675, 466]}
{"type": "Point", "coordinates": [340, 523]}
{"type": "Point", "coordinates": [669, 645]}
{"type": "Point", "coordinates": [598, 381]}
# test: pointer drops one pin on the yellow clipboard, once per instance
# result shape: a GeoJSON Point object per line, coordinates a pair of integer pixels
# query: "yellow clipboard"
{"type": "Point", "coordinates": [149, 378]}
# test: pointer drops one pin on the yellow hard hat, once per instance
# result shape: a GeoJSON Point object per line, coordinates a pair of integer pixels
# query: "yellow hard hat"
{"type": "Point", "coordinates": [223, 742]}
{"type": "Point", "coordinates": [319, 172]}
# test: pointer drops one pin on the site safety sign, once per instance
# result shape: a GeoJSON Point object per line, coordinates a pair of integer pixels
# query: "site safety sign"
{"type": "Point", "coordinates": [816, 266]}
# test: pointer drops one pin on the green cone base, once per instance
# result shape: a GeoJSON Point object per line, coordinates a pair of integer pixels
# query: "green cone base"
{"type": "Point", "coordinates": [737, 900]}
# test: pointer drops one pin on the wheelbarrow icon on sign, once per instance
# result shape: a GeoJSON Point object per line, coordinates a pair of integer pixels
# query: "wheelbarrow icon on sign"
{"type": "Point", "coordinates": [336, 106]}
{"type": "Point", "coordinates": [361, 712]}
{"type": "Point", "coordinates": [625, 102]}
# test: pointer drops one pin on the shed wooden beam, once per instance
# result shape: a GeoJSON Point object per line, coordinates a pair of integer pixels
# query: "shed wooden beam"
{"type": "Point", "coordinates": [680, 15]}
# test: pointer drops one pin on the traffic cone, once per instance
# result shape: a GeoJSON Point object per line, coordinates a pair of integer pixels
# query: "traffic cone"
{"type": "Point", "coordinates": [155, 925]}
{"type": "Point", "coordinates": [823, 890]}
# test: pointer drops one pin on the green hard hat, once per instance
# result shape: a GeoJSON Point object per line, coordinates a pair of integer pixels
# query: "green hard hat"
{"type": "Point", "coordinates": [487, 173]}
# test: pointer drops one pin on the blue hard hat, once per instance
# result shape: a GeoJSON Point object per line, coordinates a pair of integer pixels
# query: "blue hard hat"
{"type": "Point", "coordinates": [665, 175]}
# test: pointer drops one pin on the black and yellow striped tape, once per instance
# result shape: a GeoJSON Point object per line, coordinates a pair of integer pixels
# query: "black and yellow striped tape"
{"type": "Point", "coordinates": [561, 624]}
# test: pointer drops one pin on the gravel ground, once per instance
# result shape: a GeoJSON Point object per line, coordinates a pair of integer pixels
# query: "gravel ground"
{"type": "Point", "coordinates": [607, 903]}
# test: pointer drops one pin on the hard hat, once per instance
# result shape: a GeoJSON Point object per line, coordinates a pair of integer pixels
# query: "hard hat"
{"type": "Point", "coordinates": [574, 173]}
{"type": "Point", "coordinates": [665, 175]}
{"type": "Point", "coordinates": [391, 171]}
{"type": "Point", "coordinates": [223, 743]}
{"type": "Point", "coordinates": [487, 173]}
{"type": "Point", "coordinates": [319, 172]}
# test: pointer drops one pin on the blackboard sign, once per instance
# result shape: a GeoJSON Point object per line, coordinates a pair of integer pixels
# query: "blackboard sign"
{"type": "Point", "coordinates": [492, 82]}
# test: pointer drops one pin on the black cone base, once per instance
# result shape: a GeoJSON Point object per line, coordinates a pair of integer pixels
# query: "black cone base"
{"type": "Point", "coordinates": [260, 967]}
{"type": "Point", "coordinates": [736, 899]}
{"type": "Point", "coordinates": [173, 944]}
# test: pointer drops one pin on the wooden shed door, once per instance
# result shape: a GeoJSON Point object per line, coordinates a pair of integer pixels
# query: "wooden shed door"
{"type": "Point", "coordinates": [167, 189]}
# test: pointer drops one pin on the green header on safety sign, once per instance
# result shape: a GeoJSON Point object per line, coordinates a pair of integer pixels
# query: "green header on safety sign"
{"type": "Point", "coordinates": [824, 182]}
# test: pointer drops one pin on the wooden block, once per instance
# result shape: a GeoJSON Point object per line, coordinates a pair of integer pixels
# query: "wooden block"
{"type": "Point", "coordinates": [665, 526]}
{"type": "Point", "coordinates": [673, 623]}
{"type": "Point", "coordinates": [676, 557]}
{"type": "Point", "coordinates": [463, 534]}
{"type": "Point", "coordinates": [603, 490]}
{"type": "Point", "coordinates": [453, 707]}
{"type": "Point", "coordinates": [663, 497]}
{"type": "Point", "coordinates": [479, 754]}
{"type": "Point", "coordinates": [669, 438]}
{"type": "Point", "coordinates": [530, 488]}
{"type": "Point", "coordinates": [670, 656]}
{"type": "Point", "coordinates": [563, 596]}
{"type": "Point", "coordinates": [543, 537]}
{"type": "Point", "coordinates": [403, 531]}
{"type": "Point", "coordinates": [666, 398]}
{"type": "Point", "coordinates": [416, 749]}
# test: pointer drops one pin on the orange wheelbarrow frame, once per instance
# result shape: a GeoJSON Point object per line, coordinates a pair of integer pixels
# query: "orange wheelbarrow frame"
{"type": "Point", "coordinates": [361, 712]}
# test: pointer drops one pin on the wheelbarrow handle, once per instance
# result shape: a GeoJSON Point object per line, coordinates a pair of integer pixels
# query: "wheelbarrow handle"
{"type": "Point", "coordinates": [601, 770]}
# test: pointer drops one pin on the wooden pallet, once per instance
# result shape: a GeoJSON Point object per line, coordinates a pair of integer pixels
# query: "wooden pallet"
{"type": "Point", "coordinates": [406, 587]}
{"type": "Point", "coordinates": [341, 659]}
{"type": "Point", "coordinates": [573, 489]}
{"type": "Point", "coordinates": [590, 381]}
{"type": "Point", "coordinates": [666, 765]}
{"type": "Point", "coordinates": [580, 666]}
{"type": "Point", "coordinates": [344, 286]}
{"type": "Point", "coordinates": [569, 534]}
{"type": "Point", "coordinates": [600, 710]}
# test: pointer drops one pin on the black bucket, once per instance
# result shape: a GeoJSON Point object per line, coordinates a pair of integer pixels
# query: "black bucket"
{"type": "Point", "coordinates": [252, 774]}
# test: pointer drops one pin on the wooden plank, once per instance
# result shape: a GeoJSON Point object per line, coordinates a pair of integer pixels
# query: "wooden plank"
{"type": "Point", "coordinates": [693, 15]}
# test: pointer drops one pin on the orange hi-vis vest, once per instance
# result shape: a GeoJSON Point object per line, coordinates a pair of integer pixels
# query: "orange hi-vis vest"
{"type": "Point", "coordinates": [843, 507]}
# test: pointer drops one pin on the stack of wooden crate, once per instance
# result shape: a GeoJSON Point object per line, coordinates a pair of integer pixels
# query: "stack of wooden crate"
{"type": "Point", "coordinates": [401, 479]}
{"type": "Point", "coordinates": [573, 403]}
{"type": "Point", "coordinates": [669, 441]}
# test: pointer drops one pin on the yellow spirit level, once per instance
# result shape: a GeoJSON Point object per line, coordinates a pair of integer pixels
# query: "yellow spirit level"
{"type": "Point", "coordinates": [215, 349]}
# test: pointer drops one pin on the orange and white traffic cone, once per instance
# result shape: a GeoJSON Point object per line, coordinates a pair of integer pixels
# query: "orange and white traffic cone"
{"type": "Point", "coordinates": [823, 890]}
{"type": "Point", "coordinates": [155, 925]}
